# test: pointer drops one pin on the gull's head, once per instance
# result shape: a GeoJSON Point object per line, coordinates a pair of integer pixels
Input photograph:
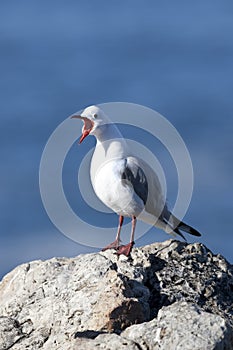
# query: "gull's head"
{"type": "Point", "coordinates": [92, 117]}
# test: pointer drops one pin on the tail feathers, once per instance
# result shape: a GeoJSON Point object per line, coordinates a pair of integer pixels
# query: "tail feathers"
{"type": "Point", "coordinates": [184, 227]}
{"type": "Point", "coordinates": [177, 231]}
{"type": "Point", "coordinates": [178, 225]}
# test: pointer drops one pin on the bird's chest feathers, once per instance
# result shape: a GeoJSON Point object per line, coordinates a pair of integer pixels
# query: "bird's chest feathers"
{"type": "Point", "coordinates": [107, 183]}
{"type": "Point", "coordinates": [112, 191]}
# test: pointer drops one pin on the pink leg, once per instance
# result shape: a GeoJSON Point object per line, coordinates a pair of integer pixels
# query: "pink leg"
{"type": "Point", "coordinates": [116, 243]}
{"type": "Point", "coordinates": [126, 249]}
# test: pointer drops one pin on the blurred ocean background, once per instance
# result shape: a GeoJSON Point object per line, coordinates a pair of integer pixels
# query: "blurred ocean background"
{"type": "Point", "coordinates": [58, 57]}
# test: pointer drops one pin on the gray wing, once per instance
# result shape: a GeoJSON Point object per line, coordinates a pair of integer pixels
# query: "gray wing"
{"type": "Point", "coordinates": [134, 174]}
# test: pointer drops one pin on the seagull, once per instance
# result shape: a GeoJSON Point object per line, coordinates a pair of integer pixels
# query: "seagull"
{"type": "Point", "coordinates": [125, 183]}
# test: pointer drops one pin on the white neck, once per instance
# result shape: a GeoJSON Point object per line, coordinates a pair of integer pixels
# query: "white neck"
{"type": "Point", "coordinates": [111, 141]}
{"type": "Point", "coordinates": [110, 145]}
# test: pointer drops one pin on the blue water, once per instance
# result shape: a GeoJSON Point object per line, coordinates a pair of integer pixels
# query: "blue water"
{"type": "Point", "coordinates": [57, 58]}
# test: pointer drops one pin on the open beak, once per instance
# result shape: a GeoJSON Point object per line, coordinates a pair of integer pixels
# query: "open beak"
{"type": "Point", "coordinates": [88, 125]}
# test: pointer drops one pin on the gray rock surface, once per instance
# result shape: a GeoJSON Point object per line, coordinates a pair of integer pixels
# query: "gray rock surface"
{"type": "Point", "coordinates": [168, 295]}
{"type": "Point", "coordinates": [180, 326]}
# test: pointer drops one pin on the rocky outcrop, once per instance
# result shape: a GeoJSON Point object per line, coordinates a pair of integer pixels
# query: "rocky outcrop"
{"type": "Point", "coordinates": [168, 295]}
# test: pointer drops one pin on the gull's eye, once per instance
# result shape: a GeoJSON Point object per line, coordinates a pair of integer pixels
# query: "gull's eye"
{"type": "Point", "coordinates": [95, 115]}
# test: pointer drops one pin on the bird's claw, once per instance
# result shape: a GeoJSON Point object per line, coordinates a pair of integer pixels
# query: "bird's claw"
{"type": "Point", "coordinates": [125, 249]}
{"type": "Point", "coordinates": [113, 245]}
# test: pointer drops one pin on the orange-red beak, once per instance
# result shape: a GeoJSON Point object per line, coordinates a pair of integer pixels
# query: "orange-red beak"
{"type": "Point", "coordinates": [88, 125]}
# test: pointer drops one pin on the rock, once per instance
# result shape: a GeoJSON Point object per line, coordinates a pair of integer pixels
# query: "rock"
{"type": "Point", "coordinates": [182, 325]}
{"type": "Point", "coordinates": [10, 332]}
{"type": "Point", "coordinates": [140, 302]}
{"type": "Point", "coordinates": [105, 342]}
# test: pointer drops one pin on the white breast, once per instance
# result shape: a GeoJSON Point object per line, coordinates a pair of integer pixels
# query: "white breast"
{"type": "Point", "coordinates": [108, 186]}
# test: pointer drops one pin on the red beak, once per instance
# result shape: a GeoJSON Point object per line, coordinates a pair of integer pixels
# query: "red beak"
{"type": "Point", "coordinates": [84, 135]}
{"type": "Point", "coordinates": [88, 124]}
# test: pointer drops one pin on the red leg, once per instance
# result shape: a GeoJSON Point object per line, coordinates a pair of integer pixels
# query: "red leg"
{"type": "Point", "coordinates": [126, 249]}
{"type": "Point", "coordinates": [116, 243]}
